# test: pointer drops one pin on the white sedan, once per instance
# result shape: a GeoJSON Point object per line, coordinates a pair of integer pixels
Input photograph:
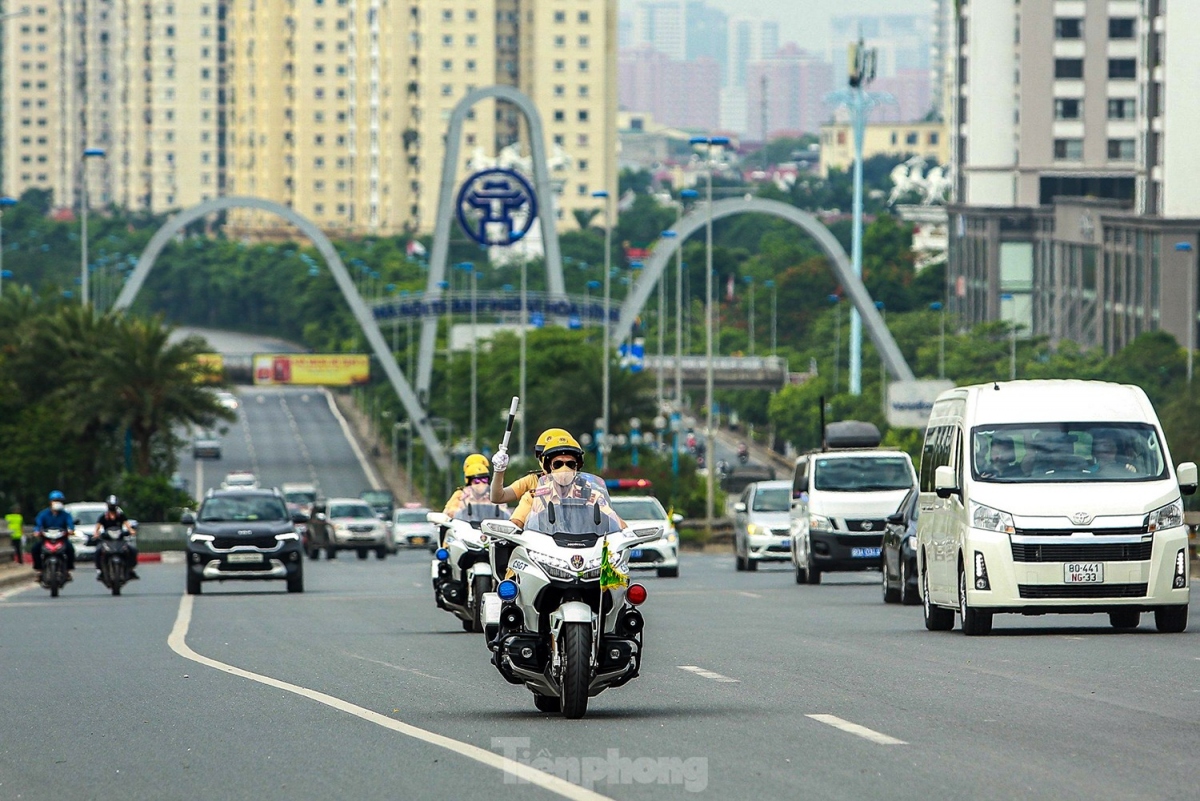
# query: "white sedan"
{"type": "Point", "coordinates": [411, 528]}
{"type": "Point", "coordinates": [662, 554]}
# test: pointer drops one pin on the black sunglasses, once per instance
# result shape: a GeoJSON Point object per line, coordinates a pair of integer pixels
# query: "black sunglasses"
{"type": "Point", "coordinates": [568, 463]}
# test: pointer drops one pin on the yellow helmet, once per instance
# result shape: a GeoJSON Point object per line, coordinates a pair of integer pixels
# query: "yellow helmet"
{"type": "Point", "coordinates": [475, 465]}
{"type": "Point", "coordinates": [555, 441]}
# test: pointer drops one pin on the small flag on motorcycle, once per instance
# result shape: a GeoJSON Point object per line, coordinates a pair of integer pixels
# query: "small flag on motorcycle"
{"type": "Point", "coordinates": [611, 576]}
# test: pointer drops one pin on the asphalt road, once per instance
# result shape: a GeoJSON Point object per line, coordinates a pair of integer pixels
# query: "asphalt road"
{"type": "Point", "coordinates": [1047, 708]}
{"type": "Point", "coordinates": [284, 435]}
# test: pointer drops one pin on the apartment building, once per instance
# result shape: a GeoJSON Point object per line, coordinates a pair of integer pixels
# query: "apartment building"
{"type": "Point", "coordinates": [1075, 167]}
{"type": "Point", "coordinates": [140, 81]}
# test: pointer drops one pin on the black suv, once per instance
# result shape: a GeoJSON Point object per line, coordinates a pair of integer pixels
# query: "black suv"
{"type": "Point", "coordinates": [243, 535]}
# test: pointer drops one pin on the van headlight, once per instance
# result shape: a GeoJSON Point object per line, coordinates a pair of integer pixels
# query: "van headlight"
{"type": "Point", "coordinates": [820, 522]}
{"type": "Point", "coordinates": [989, 519]}
{"type": "Point", "coordinates": [1169, 516]}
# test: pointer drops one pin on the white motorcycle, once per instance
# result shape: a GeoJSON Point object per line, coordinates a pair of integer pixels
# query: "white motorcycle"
{"type": "Point", "coordinates": [558, 633]}
{"type": "Point", "coordinates": [462, 570]}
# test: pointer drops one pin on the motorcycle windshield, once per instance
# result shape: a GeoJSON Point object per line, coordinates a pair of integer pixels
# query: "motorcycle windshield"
{"type": "Point", "coordinates": [586, 512]}
{"type": "Point", "coordinates": [475, 513]}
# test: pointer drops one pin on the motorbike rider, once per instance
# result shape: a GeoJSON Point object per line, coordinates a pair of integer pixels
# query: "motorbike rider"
{"type": "Point", "coordinates": [114, 518]}
{"type": "Point", "coordinates": [476, 487]}
{"type": "Point", "coordinates": [54, 517]}
{"type": "Point", "coordinates": [520, 489]}
{"type": "Point", "coordinates": [743, 452]}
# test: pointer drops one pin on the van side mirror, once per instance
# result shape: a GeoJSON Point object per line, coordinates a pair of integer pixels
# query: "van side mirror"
{"type": "Point", "coordinates": [945, 482]}
{"type": "Point", "coordinates": [896, 519]}
{"type": "Point", "coordinates": [1186, 473]}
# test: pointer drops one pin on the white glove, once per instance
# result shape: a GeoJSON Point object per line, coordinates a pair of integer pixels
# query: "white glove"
{"type": "Point", "coordinates": [500, 460]}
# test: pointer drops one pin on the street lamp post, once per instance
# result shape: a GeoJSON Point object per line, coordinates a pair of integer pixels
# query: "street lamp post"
{"type": "Point", "coordinates": [1012, 358]}
{"type": "Point", "coordinates": [770, 284]}
{"type": "Point", "coordinates": [469, 267]}
{"type": "Point", "coordinates": [882, 368]}
{"type": "Point", "coordinates": [1186, 247]}
{"type": "Point", "coordinates": [685, 195]}
{"type": "Point", "coordinates": [710, 461]}
{"type": "Point", "coordinates": [91, 152]}
{"type": "Point", "coordinates": [602, 444]}
{"type": "Point", "coordinates": [521, 382]}
{"type": "Point", "coordinates": [5, 202]}
{"type": "Point", "coordinates": [837, 340]}
{"type": "Point", "coordinates": [941, 310]}
{"type": "Point", "coordinates": [749, 279]}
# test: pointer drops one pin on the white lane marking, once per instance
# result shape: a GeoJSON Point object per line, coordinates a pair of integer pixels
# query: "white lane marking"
{"type": "Point", "coordinates": [372, 478]}
{"type": "Point", "coordinates": [708, 674]}
{"type": "Point", "coordinates": [401, 668]}
{"type": "Point", "coordinates": [250, 440]}
{"type": "Point", "coordinates": [854, 728]}
{"type": "Point", "coordinates": [178, 643]}
{"type": "Point", "coordinates": [750, 594]}
{"type": "Point", "coordinates": [6, 594]}
{"type": "Point", "coordinates": [304, 454]}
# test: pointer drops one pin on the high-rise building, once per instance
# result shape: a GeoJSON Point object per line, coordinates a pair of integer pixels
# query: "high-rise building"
{"type": "Point", "coordinates": [345, 114]}
{"type": "Point", "coordinates": [338, 110]}
{"type": "Point", "coordinates": [141, 81]}
{"type": "Point", "coordinates": [750, 40]}
{"type": "Point", "coordinates": [785, 93]}
{"type": "Point", "coordinates": [1075, 167]}
{"type": "Point", "coordinates": [670, 91]}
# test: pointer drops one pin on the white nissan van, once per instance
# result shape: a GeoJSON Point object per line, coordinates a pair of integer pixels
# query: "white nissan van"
{"type": "Point", "coordinates": [1051, 496]}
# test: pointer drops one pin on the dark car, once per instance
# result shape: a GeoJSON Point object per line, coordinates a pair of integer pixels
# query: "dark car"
{"type": "Point", "coordinates": [243, 535]}
{"type": "Point", "coordinates": [899, 554]}
{"type": "Point", "coordinates": [382, 501]}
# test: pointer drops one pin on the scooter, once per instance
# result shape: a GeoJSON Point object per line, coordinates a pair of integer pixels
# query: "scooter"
{"type": "Point", "coordinates": [114, 566]}
{"type": "Point", "coordinates": [558, 632]}
{"type": "Point", "coordinates": [54, 560]}
{"type": "Point", "coordinates": [462, 571]}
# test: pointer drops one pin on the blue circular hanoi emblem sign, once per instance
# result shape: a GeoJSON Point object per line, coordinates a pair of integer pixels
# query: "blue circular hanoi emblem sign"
{"type": "Point", "coordinates": [496, 207]}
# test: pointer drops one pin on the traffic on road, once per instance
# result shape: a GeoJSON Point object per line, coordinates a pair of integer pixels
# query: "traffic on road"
{"type": "Point", "coordinates": [569, 598]}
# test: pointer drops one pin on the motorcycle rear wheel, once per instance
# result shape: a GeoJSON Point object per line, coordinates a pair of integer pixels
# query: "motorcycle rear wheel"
{"type": "Point", "coordinates": [576, 645]}
{"type": "Point", "coordinates": [483, 584]}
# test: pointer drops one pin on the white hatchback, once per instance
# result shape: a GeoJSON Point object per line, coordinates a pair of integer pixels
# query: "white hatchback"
{"type": "Point", "coordinates": [85, 514]}
{"type": "Point", "coordinates": [412, 529]}
{"type": "Point", "coordinates": [662, 554]}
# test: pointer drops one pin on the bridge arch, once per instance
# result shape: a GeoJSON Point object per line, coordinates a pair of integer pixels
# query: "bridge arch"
{"type": "Point", "coordinates": [340, 275]}
{"type": "Point", "coordinates": [445, 214]}
{"type": "Point", "coordinates": [695, 220]}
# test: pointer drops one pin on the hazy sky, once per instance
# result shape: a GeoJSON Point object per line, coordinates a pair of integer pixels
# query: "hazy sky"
{"type": "Point", "coordinates": [806, 22]}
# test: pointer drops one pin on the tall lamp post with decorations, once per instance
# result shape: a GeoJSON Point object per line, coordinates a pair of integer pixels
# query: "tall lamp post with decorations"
{"type": "Point", "coordinates": [709, 445]}
{"type": "Point", "coordinates": [90, 153]}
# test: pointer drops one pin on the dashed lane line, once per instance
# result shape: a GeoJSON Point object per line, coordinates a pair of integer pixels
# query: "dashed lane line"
{"type": "Point", "coordinates": [511, 768]}
{"type": "Point", "coordinates": [855, 729]}
{"type": "Point", "coordinates": [372, 477]}
{"type": "Point", "coordinates": [304, 454]}
{"type": "Point", "coordinates": [708, 674]}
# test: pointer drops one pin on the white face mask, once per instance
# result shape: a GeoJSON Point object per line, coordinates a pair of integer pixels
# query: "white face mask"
{"type": "Point", "coordinates": [56, 506]}
{"type": "Point", "coordinates": [563, 476]}
{"type": "Point", "coordinates": [478, 490]}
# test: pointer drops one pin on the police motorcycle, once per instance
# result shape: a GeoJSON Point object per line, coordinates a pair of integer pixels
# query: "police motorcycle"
{"type": "Point", "coordinates": [562, 630]}
{"type": "Point", "coordinates": [462, 567]}
{"type": "Point", "coordinates": [54, 560]}
{"type": "Point", "coordinates": [114, 565]}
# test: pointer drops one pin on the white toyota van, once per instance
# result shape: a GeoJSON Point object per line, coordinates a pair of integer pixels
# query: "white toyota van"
{"type": "Point", "coordinates": [1051, 496]}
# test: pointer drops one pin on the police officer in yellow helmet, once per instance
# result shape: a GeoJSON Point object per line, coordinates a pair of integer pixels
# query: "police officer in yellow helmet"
{"type": "Point", "coordinates": [475, 487]}
{"type": "Point", "coordinates": [556, 450]}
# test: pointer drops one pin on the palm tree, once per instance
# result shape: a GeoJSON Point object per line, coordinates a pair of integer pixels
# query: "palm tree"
{"type": "Point", "coordinates": [156, 386]}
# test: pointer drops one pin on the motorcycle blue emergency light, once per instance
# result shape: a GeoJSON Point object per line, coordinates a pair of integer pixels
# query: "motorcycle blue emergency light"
{"type": "Point", "coordinates": [507, 590]}
{"type": "Point", "coordinates": [442, 554]}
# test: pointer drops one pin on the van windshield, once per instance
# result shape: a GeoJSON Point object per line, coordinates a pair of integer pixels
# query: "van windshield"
{"type": "Point", "coordinates": [862, 474]}
{"type": "Point", "coordinates": [1057, 452]}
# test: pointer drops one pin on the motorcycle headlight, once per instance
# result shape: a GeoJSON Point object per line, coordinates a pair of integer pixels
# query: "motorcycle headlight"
{"type": "Point", "coordinates": [989, 519]}
{"type": "Point", "coordinates": [1169, 516]}
{"type": "Point", "coordinates": [822, 522]}
{"type": "Point", "coordinates": [557, 567]}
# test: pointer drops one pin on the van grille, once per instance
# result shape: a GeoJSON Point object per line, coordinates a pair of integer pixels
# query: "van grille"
{"type": "Point", "coordinates": [1035, 591]}
{"type": "Point", "coordinates": [1098, 552]}
{"type": "Point", "coordinates": [866, 525]}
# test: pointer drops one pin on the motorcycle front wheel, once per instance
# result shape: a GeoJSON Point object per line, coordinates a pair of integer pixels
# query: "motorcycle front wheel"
{"type": "Point", "coordinates": [576, 645]}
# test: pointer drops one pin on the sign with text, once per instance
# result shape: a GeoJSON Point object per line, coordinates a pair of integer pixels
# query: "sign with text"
{"type": "Point", "coordinates": [327, 369]}
{"type": "Point", "coordinates": [910, 402]}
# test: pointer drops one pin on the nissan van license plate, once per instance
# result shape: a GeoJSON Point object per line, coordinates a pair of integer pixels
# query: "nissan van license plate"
{"type": "Point", "coordinates": [864, 553]}
{"type": "Point", "coordinates": [1083, 572]}
{"type": "Point", "coordinates": [239, 558]}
